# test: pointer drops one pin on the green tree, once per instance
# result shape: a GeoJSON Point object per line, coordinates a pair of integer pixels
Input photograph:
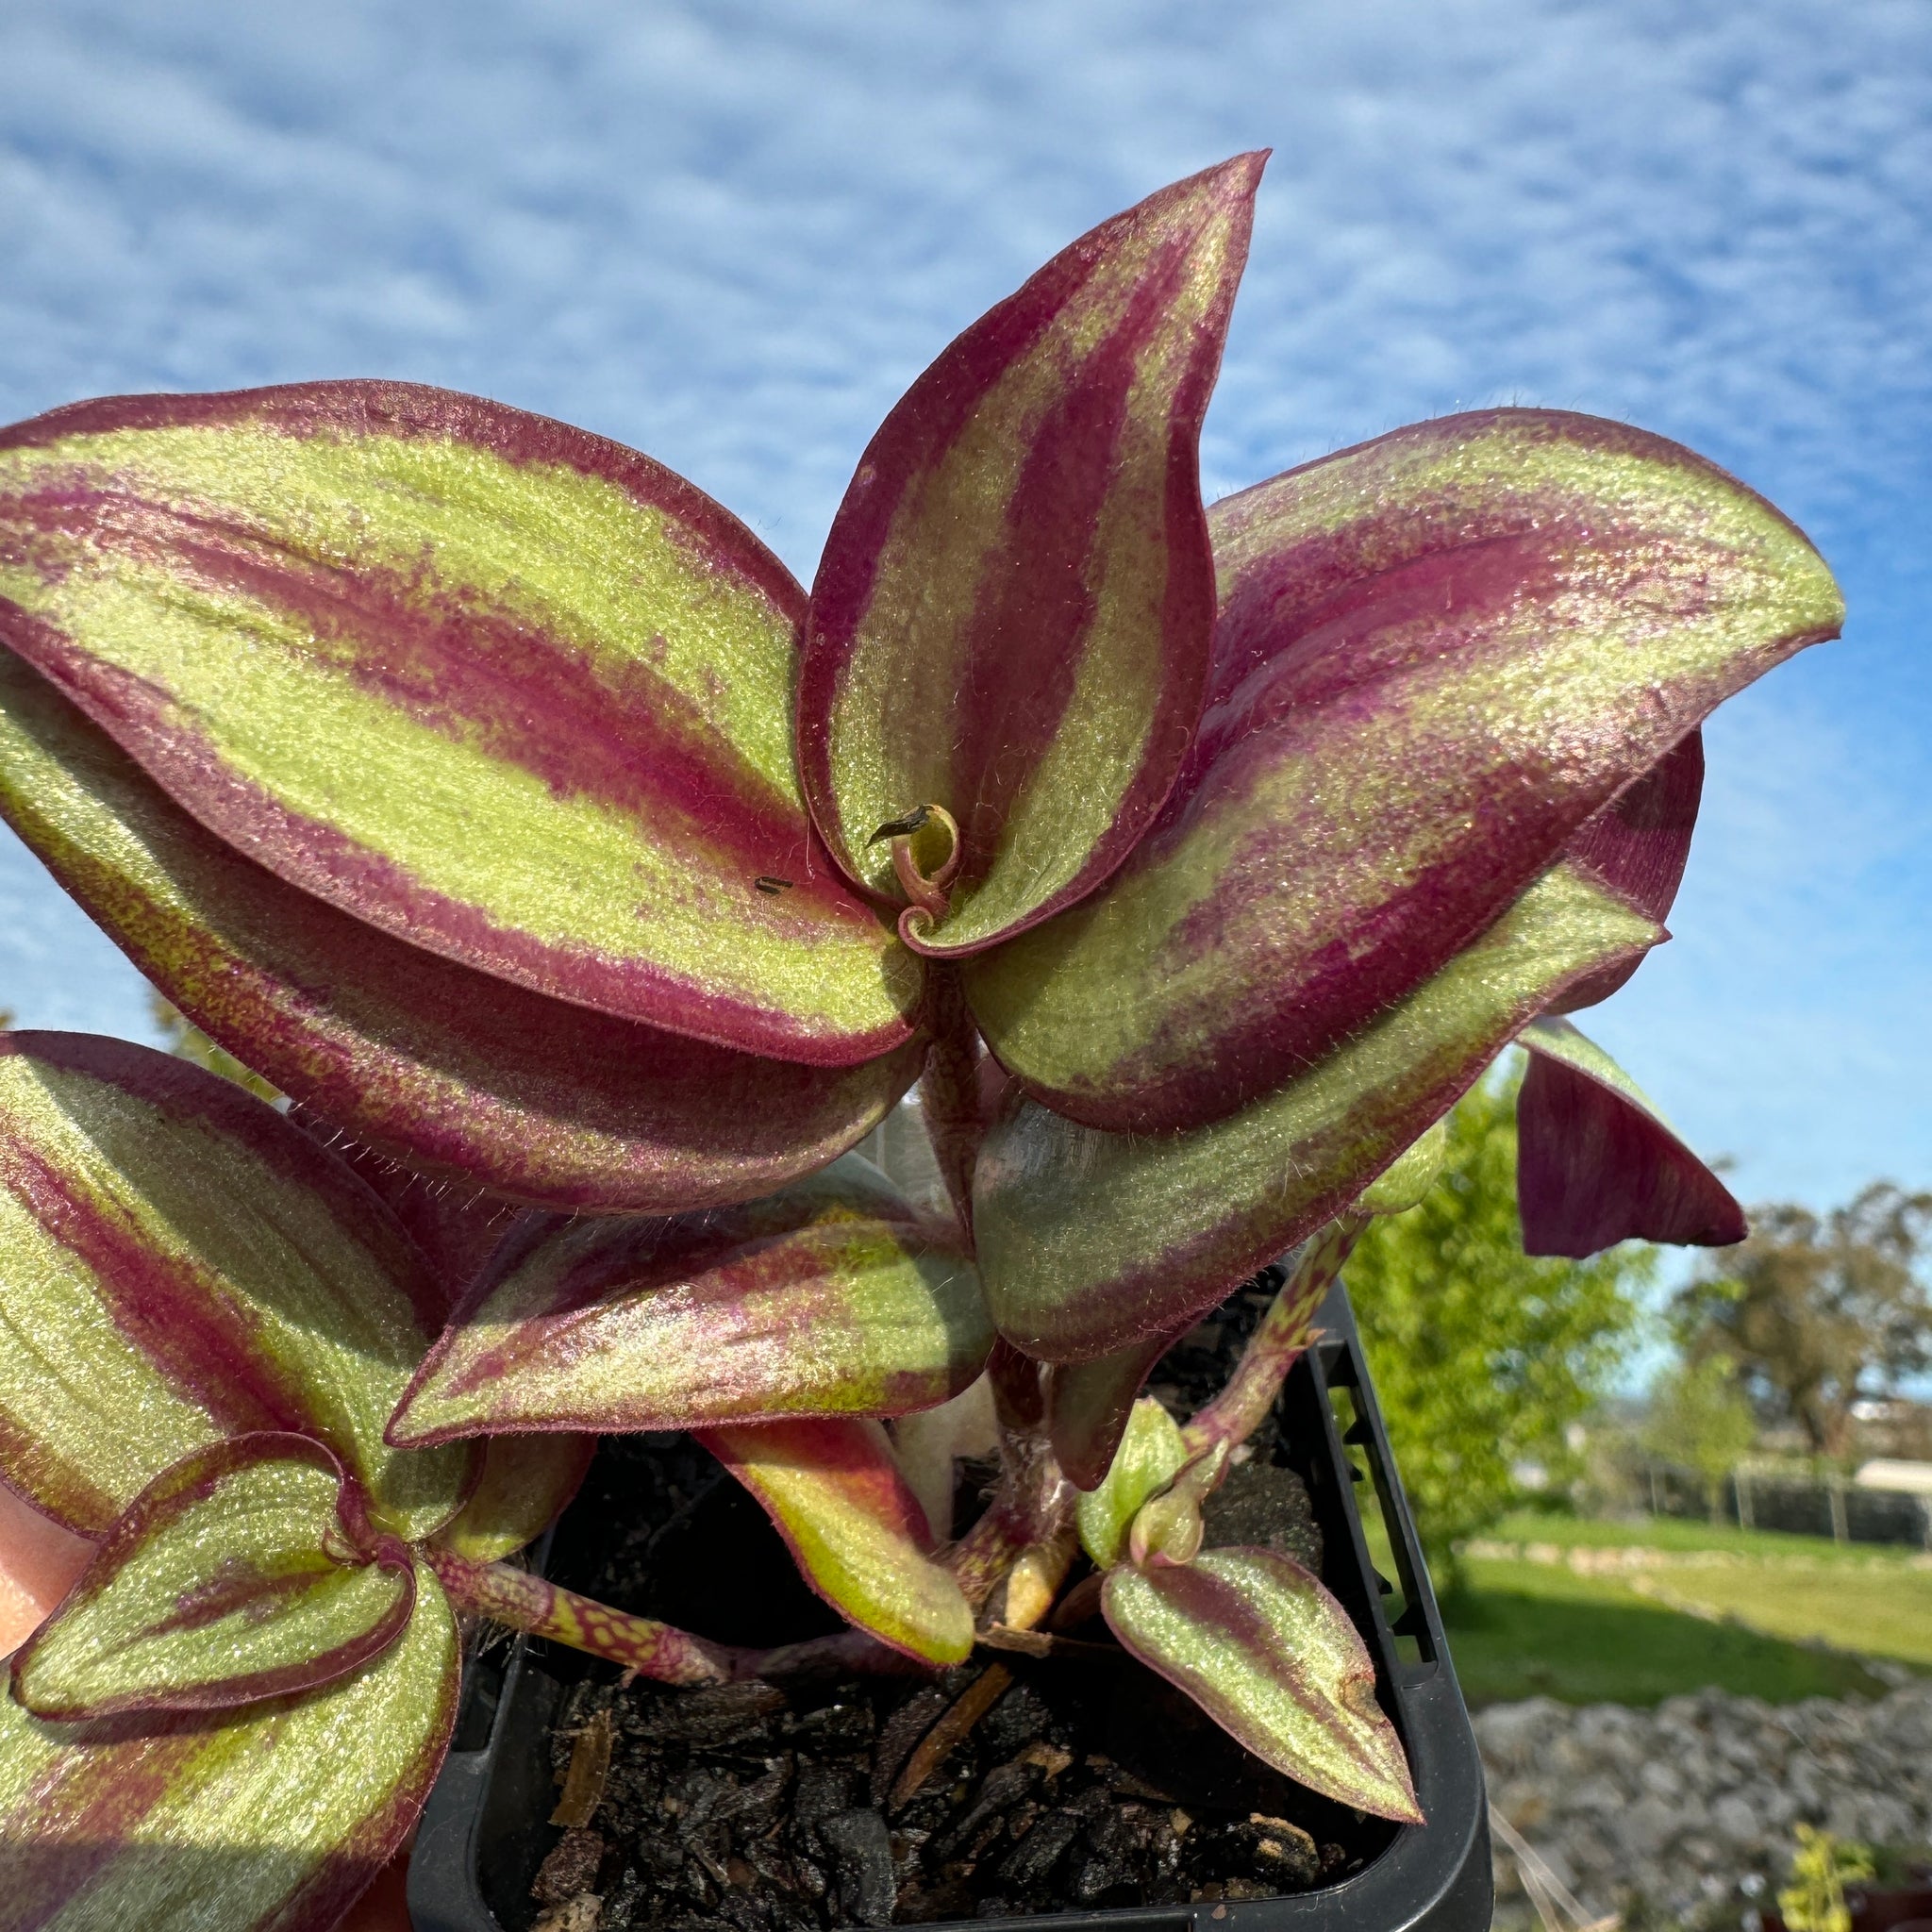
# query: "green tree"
{"type": "Point", "coordinates": [1483, 1357]}
{"type": "Point", "coordinates": [1817, 1310]}
{"type": "Point", "coordinates": [1699, 1418]}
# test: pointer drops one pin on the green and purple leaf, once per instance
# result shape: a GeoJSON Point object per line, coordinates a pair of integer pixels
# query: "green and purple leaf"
{"type": "Point", "coordinates": [245, 1571]}
{"type": "Point", "coordinates": [858, 1532]}
{"type": "Point", "coordinates": [482, 1082]}
{"type": "Point", "coordinates": [1257, 1643]}
{"type": "Point", "coordinates": [1150, 1452]}
{"type": "Point", "coordinates": [456, 1226]}
{"type": "Point", "coordinates": [1011, 618]}
{"type": "Point", "coordinates": [1638, 845]}
{"type": "Point", "coordinates": [1438, 658]}
{"type": "Point", "coordinates": [830, 1298]}
{"type": "Point", "coordinates": [184, 1265]}
{"type": "Point", "coordinates": [1089, 1242]}
{"type": "Point", "coordinates": [1597, 1164]}
{"type": "Point", "coordinates": [273, 1818]}
{"type": "Point", "coordinates": [501, 688]}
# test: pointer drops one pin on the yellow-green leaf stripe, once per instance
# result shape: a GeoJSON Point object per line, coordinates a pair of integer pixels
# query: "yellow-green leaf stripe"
{"type": "Point", "coordinates": [183, 1265]}
{"type": "Point", "coordinates": [1011, 616]}
{"type": "Point", "coordinates": [1088, 1241]}
{"type": "Point", "coordinates": [447, 1067]}
{"type": "Point", "coordinates": [272, 1819]}
{"type": "Point", "coordinates": [1436, 657]}
{"type": "Point", "coordinates": [498, 687]}
{"type": "Point", "coordinates": [1268, 1653]}
{"type": "Point", "coordinates": [830, 1297]}
{"type": "Point", "coordinates": [237, 1576]}
{"type": "Point", "coordinates": [833, 1488]}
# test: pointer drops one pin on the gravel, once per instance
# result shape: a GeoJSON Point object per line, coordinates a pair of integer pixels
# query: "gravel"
{"type": "Point", "coordinates": [1687, 1812]}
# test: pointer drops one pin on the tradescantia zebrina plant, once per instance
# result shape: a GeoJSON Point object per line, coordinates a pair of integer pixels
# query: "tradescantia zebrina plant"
{"type": "Point", "coordinates": [496, 796]}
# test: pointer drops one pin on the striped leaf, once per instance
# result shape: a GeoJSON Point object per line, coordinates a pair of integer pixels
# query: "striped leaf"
{"type": "Point", "coordinates": [505, 690]}
{"type": "Point", "coordinates": [1257, 1643]}
{"type": "Point", "coordinates": [1011, 617]}
{"type": "Point", "coordinates": [1596, 1163]}
{"type": "Point", "coordinates": [857, 1531]}
{"type": "Point", "coordinates": [482, 1082]}
{"type": "Point", "coordinates": [1089, 1242]}
{"type": "Point", "coordinates": [456, 1226]}
{"type": "Point", "coordinates": [246, 1571]}
{"type": "Point", "coordinates": [272, 1819]}
{"type": "Point", "coordinates": [1437, 658]}
{"type": "Point", "coordinates": [832, 1297]}
{"type": "Point", "coordinates": [184, 1265]}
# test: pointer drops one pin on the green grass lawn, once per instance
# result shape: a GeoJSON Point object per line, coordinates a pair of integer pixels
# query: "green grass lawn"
{"type": "Point", "coordinates": [1679, 1533]}
{"type": "Point", "coordinates": [1721, 1607]}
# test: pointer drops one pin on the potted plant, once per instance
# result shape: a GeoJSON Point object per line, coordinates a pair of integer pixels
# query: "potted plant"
{"type": "Point", "coordinates": [495, 796]}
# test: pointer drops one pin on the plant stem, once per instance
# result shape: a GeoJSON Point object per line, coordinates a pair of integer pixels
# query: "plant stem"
{"type": "Point", "coordinates": [659, 1651]}
{"type": "Point", "coordinates": [949, 1088]}
{"type": "Point", "coordinates": [1032, 1506]}
{"type": "Point", "coordinates": [526, 1602]}
{"type": "Point", "coordinates": [1285, 1331]}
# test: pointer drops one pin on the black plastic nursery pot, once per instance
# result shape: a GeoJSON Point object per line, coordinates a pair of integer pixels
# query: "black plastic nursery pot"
{"type": "Point", "coordinates": [485, 1832]}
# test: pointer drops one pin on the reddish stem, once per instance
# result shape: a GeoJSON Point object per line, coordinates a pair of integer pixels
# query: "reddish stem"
{"type": "Point", "coordinates": [1285, 1331]}
{"type": "Point", "coordinates": [659, 1651]}
{"type": "Point", "coordinates": [949, 1087]}
{"type": "Point", "coordinates": [526, 1602]}
{"type": "Point", "coordinates": [1034, 1502]}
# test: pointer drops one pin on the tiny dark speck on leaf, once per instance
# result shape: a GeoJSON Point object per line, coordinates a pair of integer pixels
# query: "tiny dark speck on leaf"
{"type": "Point", "coordinates": [902, 828]}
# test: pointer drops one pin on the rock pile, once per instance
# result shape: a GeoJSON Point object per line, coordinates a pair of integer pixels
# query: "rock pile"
{"type": "Point", "coordinates": [1670, 1813]}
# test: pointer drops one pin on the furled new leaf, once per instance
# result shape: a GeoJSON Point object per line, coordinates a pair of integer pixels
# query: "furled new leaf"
{"type": "Point", "coordinates": [1011, 617]}
{"type": "Point", "coordinates": [1437, 658]}
{"type": "Point", "coordinates": [182, 1265]}
{"type": "Point", "coordinates": [502, 689]}
{"type": "Point", "coordinates": [831, 1297]}
{"type": "Point", "coordinates": [1403, 1184]}
{"type": "Point", "coordinates": [1168, 1527]}
{"type": "Point", "coordinates": [858, 1532]}
{"type": "Point", "coordinates": [241, 1573]}
{"type": "Point", "coordinates": [1151, 1451]}
{"type": "Point", "coordinates": [273, 1819]}
{"type": "Point", "coordinates": [1597, 1164]}
{"type": "Point", "coordinates": [1257, 1643]}
{"type": "Point", "coordinates": [1087, 1241]}
{"type": "Point", "coordinates": [398, 1048]}
{"type": "Point", "coordinates": [527, 1483]}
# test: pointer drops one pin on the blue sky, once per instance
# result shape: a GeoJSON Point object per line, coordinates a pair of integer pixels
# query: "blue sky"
{"type": "Point", "coordinates": [730, 234]}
